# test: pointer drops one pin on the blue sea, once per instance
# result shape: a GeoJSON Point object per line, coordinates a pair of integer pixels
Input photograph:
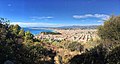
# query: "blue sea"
{"type": "Point", "coordinates": [36, 31]}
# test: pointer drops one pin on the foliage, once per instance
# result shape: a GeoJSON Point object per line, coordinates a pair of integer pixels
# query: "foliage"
{"type": "Point", "coordinates": [75, 46]}
{"type": "Point", "coordinates": [94, 56]}
{"type": "Point", "coordinates": [21, 33]}
{"type": "Point", "coordinates": [108, 51]}
{"type": "Point", "coordinates": [114, 56]}
{"type": "Point", "coordinates": [98, 55]}
{"type": "Point", "coordinates": [53, 33]}
{"type": "Point", "coordinates": [110, 29]}
{"type": "Point", "coordinates": [14, 50]}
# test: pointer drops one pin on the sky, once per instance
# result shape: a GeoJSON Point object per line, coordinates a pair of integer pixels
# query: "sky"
{"type": "Point", "coordinates": [54, 13]}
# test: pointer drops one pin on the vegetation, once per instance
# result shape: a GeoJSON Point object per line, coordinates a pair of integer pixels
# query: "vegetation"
{"type": "Point", "coordinates": [111, 29]}
{"type": "Point", "coordinates": [53, 33]}
{"type": "Point", "coordinates": [19, 47]}
{"type": "Point", "coordinates": [75, 46]}
{"type": "Point", "coordinates": [107, 52]}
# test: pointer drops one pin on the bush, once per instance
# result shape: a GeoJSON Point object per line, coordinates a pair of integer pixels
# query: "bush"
{"type": "Point", "coordinates": [111, 29]}
{"type": "Point", "coordinates": [75, 46]}
{"type": "Point", "coordinates": [94, 56]}
{"type": "Point", "coordinates": [12, 48]}
{"type": "Point", "coordinates": [108, 52]}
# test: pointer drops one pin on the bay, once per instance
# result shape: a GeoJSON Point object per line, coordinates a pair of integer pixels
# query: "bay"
{"type": "Point", "coordinates": [36, 31]}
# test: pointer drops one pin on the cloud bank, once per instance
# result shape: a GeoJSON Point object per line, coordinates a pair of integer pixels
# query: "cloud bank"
{"type": "Point", "coordinates": [34, 24]}
{"type": "Point", "coordinates": [41, 18]}
{"type": "Point", "coordinates": [99, 16]}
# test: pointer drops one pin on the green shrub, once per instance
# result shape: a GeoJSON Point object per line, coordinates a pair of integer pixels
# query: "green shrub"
{"type": "Point", "coordinates": [111, 29]}
{"type": "Point", "coordinates": [75, 46]}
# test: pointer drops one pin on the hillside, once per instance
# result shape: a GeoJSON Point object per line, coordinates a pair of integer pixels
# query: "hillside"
{"type": "Point", "coordinates": [20, 47]}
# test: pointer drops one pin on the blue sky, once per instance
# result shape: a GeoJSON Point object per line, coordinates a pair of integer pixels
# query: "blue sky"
{"type": "Point", "coordinates": [43, 13]}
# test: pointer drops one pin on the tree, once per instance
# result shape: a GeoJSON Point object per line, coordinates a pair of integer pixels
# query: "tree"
{"type": "Point", "coordinates": [111, 29]}
{"type": "Point", "coordinates": [3, 29]}
{"type": "Point", "coordinates": [28, 35]}
{"type": "Point", "coordinates": [5, 22]}
{"type": "Point", "coordinates": [13, 50]}
{"type": "Point", "coordinates": [16, 29]}
{"type": "Point", "coordinates": [28, 38]}
{"type": "Point", "coordinates": [21, 33]}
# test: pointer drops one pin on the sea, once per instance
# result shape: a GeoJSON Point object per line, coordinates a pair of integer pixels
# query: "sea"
{"type": "Point", "coordinates": [36, 31]}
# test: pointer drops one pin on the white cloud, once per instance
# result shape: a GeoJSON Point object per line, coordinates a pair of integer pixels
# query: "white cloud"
{"type": "Point", "coordinates": [36, 24]}
{"type": "Point", "coordinates": [100, 16]}
{"type": "Point", "coordinates": [43, 17]}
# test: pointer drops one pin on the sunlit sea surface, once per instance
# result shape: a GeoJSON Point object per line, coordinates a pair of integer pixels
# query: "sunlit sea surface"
{"type": "Point", "coordinates": [36, 31]}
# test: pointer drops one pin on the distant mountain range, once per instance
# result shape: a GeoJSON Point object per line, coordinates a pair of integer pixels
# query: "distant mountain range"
{"type": "Point", "coordinates": [81, 27]}
{"type": "Point", "coordinates": [70, 27]}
